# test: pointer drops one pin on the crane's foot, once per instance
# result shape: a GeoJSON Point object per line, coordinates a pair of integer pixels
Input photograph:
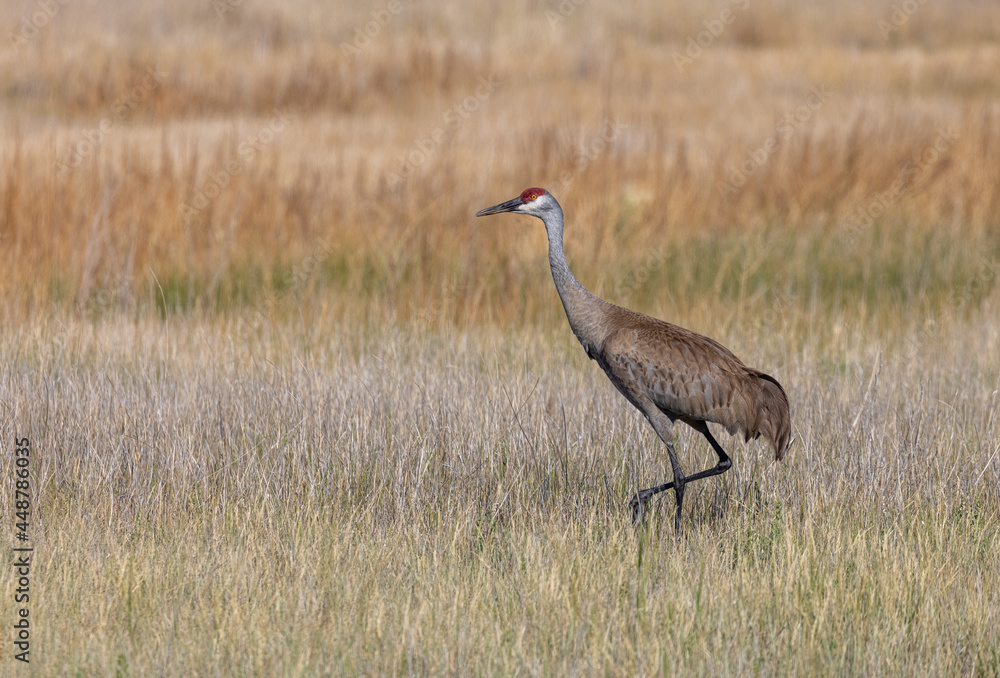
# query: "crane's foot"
{"type": "Point", "coordinates": [639, 501]}
{"type": "Point", "coordinates": [637, 505]}
{"type": "Point", "coordinates": [640, 498]}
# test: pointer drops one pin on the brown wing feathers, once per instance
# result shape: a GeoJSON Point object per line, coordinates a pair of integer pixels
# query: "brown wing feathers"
{"type": "Point", "coordinates": [691, 377]}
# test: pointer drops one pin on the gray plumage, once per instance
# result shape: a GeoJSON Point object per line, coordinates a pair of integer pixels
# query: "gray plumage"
{"type": "Point", "coordinates": [667, 372]}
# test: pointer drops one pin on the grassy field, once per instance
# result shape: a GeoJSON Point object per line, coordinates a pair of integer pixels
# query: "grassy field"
{"type": "Point", "coordinates": [293, 410]}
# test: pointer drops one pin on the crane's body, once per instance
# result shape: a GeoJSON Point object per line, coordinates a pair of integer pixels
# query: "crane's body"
{"type": "Point", "coordinates": [667, 372]}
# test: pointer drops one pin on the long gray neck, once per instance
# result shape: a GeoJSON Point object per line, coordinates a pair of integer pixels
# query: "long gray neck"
{"type": "Point", "coordinates": [583, 310]}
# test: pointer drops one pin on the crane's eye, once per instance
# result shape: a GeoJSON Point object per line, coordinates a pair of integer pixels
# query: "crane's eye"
{"type": "Point", "coordinates": [533, 196]}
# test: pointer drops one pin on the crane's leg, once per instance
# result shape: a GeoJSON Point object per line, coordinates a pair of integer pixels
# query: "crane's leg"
{"type": "Point", "coordinates": [724, 461]}
{"type": "Point", "coordinates": [639, 501]}
{"type": "Point", "coordinates": [665, 430]}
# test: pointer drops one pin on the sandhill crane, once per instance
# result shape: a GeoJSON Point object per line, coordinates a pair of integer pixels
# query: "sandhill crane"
{"type": "Point", "coordinates": [667, 372]}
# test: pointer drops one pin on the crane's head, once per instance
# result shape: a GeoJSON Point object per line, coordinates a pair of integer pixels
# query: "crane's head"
{"type": "Point", "coordinates": [533, 201]}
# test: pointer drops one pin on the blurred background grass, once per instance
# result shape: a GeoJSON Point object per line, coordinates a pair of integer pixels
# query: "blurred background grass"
{"type": "Point", "coordinates": [328, 166]}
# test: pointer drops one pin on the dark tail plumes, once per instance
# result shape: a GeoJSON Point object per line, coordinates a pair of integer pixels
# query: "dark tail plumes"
{"type": "Point", "coordinates": [773, 414]}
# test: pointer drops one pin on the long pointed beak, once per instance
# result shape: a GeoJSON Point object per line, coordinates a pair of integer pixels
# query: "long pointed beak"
{"type": "Point", "coordinates": [508, 206]}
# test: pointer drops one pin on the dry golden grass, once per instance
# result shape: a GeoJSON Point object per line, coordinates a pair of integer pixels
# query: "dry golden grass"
{"type": "Point", "coordinates": [320, 503]}
{"type": "Point", "coordinates": [296, 412]}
